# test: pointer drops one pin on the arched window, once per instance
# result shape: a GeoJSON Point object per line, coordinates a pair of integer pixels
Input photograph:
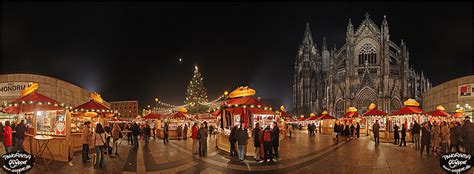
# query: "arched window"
{"type": "Point", "coordinates": [367, 53]}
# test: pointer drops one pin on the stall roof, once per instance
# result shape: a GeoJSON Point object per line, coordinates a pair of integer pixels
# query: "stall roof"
{"type": "Point", "coordinates": [244, 101]}
{"type": "Point", "coordinates": [216, 113]}
{"type": "Point", "coordinates": [261, 111]}
{"type": "Point", "coordinates": [407, 110]}
{"type": "Point", "coordinates": [326, 116]}
{"type": "Point", "coordinates": [32, 97]}
{"type": "Point", "coordinates": [374, 112]}
{"type": "Point", "coordinates": [178, 115]}
{"type": "Point", "coordinates": [457, 115]}
{"type": "Point", "coordinates": [301, 119]}
{"type": "Point", "coordinates": [312, 118]}
{"type": "Point", "coordinates": [285, 115]}
{"type": "Point", "coordinates": [92, 104]}
{"type": "Point", "coordinates": [438, 113]}
{"type": "Point", "coordinates": [350, 115]}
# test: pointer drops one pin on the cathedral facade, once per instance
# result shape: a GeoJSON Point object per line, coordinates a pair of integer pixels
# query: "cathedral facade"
{"type": "Point", "coordinates": [368, 68]}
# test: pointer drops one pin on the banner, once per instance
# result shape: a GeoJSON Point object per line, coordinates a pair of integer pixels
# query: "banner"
{"type": "Point", "coordinates": [12, 89]}
{"type": "Point", "coordinates": [466, 91]}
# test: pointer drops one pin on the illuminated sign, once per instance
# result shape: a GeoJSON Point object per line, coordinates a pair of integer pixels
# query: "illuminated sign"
{"type": "Point", "coordinates": [466, 91]}
{"type": "Point", "coordinates": [12, 89]}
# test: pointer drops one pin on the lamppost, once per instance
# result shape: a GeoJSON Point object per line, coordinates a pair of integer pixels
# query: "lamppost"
{"type": "Point", "coordinates": [156, 104]}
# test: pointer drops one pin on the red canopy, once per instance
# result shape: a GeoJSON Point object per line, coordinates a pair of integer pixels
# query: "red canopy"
{"type": "Point", "coordinates": [438, 113]}
{"type": "Point", "coordinates": [375, 112]}
{"type": "Point", "coordinates": [312, 118]}
{"type": "Point", "coordinates": [119, 119]}
{"type": "Point", "coordinates": [23, 104]}
{"type": "Point", "coordinates": [261, 111]}
{"type": "Point", "coordinates": [178, 115]}
{"type": "Point", "coordinates": [153, 116]}
{"type": "Point", "coordinates": [457, 115]}
{"type": "Point", "coordinates": [350, 115]}
{"type": "Point", "coordinates": [92, 105]}
{"type": "Point", "coordinates": [326, 116]}
{"type": "Point", "coordinates": [301, 119]}
{"type": "Point", "coordinates": [408, 110]}
{"type": "Point", "coordinates": [236, 110]}
{"type": "Point", "coordinates": [216, 113]}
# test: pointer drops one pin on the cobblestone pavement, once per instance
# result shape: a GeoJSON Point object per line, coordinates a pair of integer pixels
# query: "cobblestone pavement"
{"type": "Point", "coordinates": [299, 154]}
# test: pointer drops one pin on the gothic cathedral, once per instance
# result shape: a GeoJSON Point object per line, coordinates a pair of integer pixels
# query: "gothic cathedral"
{"type": "Point", "coordinates": [368, 68]}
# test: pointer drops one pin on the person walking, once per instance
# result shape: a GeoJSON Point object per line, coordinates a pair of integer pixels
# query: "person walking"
{"type": "Point", "coordinates": [436, 136]}
{"type": "Point", "coordinates": [416, 134]}
{"type": "Point", "coordinates": [242, 137]}
{"type": "Point", "coordinates": [86, 139]}
{"type": "Point", "coordinates": [267, 145]}
{"type": "Point", "coordinates": [290, 129]}
{"type": "Point", "coordinates": [194, 136]}
{"type": "Point", "coordinates": [358, 129]}
{"type": "Point", "coordinates": [20, 135]}
{"type": "Point", "coordinates": [153, 131]}
{"type": "Point", "coordinates": [166, 133]}
{"type": "Point", "coordinates": [347, 132]}
{"type": "Point", "coordinates": [404, 134]}
{"type": "Point", "coordinates": [256, 133]}
{"type": "Point", "coordinates": [467, 135]}
{"type": "Point", "coordinates": [99, 145]}
{"type": "Point", "coordinates": [129, 134]}
{"type": "Point", "coordinates": [275, 140]}
{"type": "Point", "coordinates": [336, 130]}
{"type": "Point", "coordinates": [455, 137]}
{"type": "Point", "coordinates": [425, 138]}
{"type": "Point", "coordinates": [115, 137]}
{"type": "Point", "coordinates": [232, 141]}
{"type": "Point", "coordinates": [445, 134]}
{"type": "Point", "coordinates": [180, 131]}
{"type": "Point", "coordinates": [147, 133]}
{"type": "Point", "coordinates": [375, 129]}
{"type": "Point", "coordinates": [108, 138]}
{"type": "Point", "coordinates": [202, 136]}
{"type": "Point", "coordinates": [352, 130]}
{"type": "Point", "coordinates": [211, 130]}
{"type": "Point", "coordinates": [396, 136]}
{"type": "Point", "coordinates": [135, 133]}
{"type": "Point", "coordinates": [185, 131]}
{"type": "Point", "coordinates": [7, 137]}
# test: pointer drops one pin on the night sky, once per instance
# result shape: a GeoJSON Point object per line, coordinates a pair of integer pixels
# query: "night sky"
{"type": "Point", "coordinates": [130, 51]}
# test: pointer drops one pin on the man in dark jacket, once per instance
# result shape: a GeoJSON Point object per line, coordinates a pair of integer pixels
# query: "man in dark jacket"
{"type": "Point", "coordinates": [467, 135]}
{"type": "Point", "coordinates": [135, 133]}
{"type": "Point", "coordinates": [455, 136]}
{"type": "Point", "coordinates": [185, 131]}
{"type": "Point", "coordinates": [336, 130]}
{"type": "Point", "coordinates": [256, 141]}
{"type": "Point", "coordinates": [202, 136]}
{"type": "Point", "coordinates": [425, 138]}
{"type": "Point", "coordinates": [276, 139]}
{"type": "Point", "coordinates": [242, 137]}
{"type": "Point", "coordinates": [416, 134]}
{"type": "Point", "coordinates": [358, 129]}
{"type": "Point", "coordinates": [375, 129]}
{"type": "Point", "coordinates": [404, 133]}
{"type": "Point", "coordinates": [166, 134]}
{"type": "Point", "coordinates": [20, 135]}
{"type": "Point", "coordinates": [396, 136]}
{"type": "Point", "coordinates": [232, 141]}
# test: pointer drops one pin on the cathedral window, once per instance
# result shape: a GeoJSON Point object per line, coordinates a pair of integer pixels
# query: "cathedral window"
{"type": "Point", "coordinates": [367, 53]}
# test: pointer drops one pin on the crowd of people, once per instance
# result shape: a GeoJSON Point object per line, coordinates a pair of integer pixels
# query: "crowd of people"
{"type": "Point", "coordinates": [266, 142]}
{"type": "Point", "coordinates": [347, 130]}
{"type": "Point", "coordinates": [13, 135]}
{"type": "Point", "coordinates": [437, 137]}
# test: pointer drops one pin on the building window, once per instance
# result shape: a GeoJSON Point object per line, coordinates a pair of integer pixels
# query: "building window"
{"type": "Point", "coordinates": [367, 53]}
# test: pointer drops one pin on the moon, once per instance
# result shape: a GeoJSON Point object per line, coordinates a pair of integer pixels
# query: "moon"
{"type": "Point", "coordinates": [180, 60]}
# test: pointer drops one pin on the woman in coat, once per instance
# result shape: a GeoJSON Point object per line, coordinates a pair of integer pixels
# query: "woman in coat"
{"type": "Point", "coordinates": [115, 137]}
{"type": "Point", "coordinates": [7, 137]}
{"type": "Point", "coordinates": [194, 136]}
{"type": "Point", "coordinates": [455, 136]}
{"type": "Point", "coordinates": [444, 138]}
{"type": "Point", "coordinates": [436, 136]}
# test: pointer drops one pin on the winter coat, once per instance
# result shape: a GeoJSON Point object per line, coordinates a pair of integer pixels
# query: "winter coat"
{"type": "Point", "coordinates": [7, 136]}
{"type": "Point", "coordinates": [455, 135]}
{"type": "Point", "coordinates": [135, 130]}
{"type": "Point", "coordinates": [20, 131]}
{"type": "Point", "coordinates": [425, 135]}
{"type": "Point", "coordinates": [416, 129]}
{"type": "Point", "coordinates": [256, 137]}
{"type": "Point", "coordinates": [241, 136]}
{"type": "Point", "coordinates": [86, 137]}
{"type": "Point", "coordinates": [276, 136]}
{"type": "Point", "coordinates": [467, 133]}
{"type": "Point", "coordinates": [404, 132]}
{"type": "Point", "coordinates": [436, 133]}
{"type": "Point", "coordinates": [194, 132]}
{"type": "Point", "coordinates": [336, 128]}
{"type": "Point", "coordinates": [375, 128]}
{"type": "Point", "coordinates": [202, 133]}
{"type": "Point", "coordinates": [445, 133]}
{"type": "Point", "coordinates": [147, 131]}
{"type": "Point", "coordinates": [232, 137]}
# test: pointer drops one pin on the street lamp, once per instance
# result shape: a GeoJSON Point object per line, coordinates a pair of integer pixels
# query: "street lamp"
{"type": "Point", "coordinates": [156, 104]}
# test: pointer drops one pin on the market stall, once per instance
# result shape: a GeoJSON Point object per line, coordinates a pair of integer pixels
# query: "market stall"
{"type": "Point", "coordinates": [310, 120]}
{"type": "Point", "coordinates": [438, 115]}
{"type": "Point", "coordinates": [352, 117]}
{"type": "Point", "coordinates": [370, 117]}
{"type": "Point", "coordinates": [327, 122]}
{"type": "Point", "coordinates": [174, 120]}
{"type": "Point", "coordinates": [407, 115]}
{"type": "Point", "coordinates": [94, 111]}
{"type": "Point", "coordinates": [242, 107]}
{"type": "Point", "coordinates": [46, 119]}
{"type": "Point", "coordinates": [457, 116]}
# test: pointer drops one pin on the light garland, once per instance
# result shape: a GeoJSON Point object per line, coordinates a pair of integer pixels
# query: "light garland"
{"type": "Point", "coordinates": [38, 103]}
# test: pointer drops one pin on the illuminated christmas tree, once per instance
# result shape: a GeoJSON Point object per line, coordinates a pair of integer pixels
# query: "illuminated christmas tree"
{"type": "Point", "coordinates": [196, 95]}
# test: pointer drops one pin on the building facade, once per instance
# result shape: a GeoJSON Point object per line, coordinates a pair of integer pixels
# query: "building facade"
{"type": "Point", "coordinates": [452, 95]}
{"type": "Point", "coordinates": [11, 86]}
{"type": "Point", "coordinates": [126, 109]}
{"type": "Point", "coordinates": [368, 68]}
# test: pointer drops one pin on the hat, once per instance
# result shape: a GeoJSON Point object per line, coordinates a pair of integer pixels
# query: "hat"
{"type": "Point", "coordinates": [467, 118]}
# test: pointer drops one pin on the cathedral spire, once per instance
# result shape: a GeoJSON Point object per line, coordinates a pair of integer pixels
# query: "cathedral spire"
{"type": "Point", "coordinates": [307, 38]}
{"type": "Point", "coordinates": [349, 31]}
{"type": "Point", "coordinates": [325, 45]}
{"type": "Point", "coordinates": [384, 26]}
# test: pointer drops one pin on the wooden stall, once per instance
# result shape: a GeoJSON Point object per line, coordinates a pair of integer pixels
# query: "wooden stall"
{"type": "Point", "coordinates": [174, 120]}
{"type": "Point", "coordinates": [372, 115]}
{"type": "Point", "coordinates": [351, 117]}
{"type": "Point", "coordinates": [45, 117]}
{"type": "Point", "coordinates": [438, 115]}
{"type": "Point", "coordinates": [406, 115]}
{"type": "Point", "coordinates": [327, 122]}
